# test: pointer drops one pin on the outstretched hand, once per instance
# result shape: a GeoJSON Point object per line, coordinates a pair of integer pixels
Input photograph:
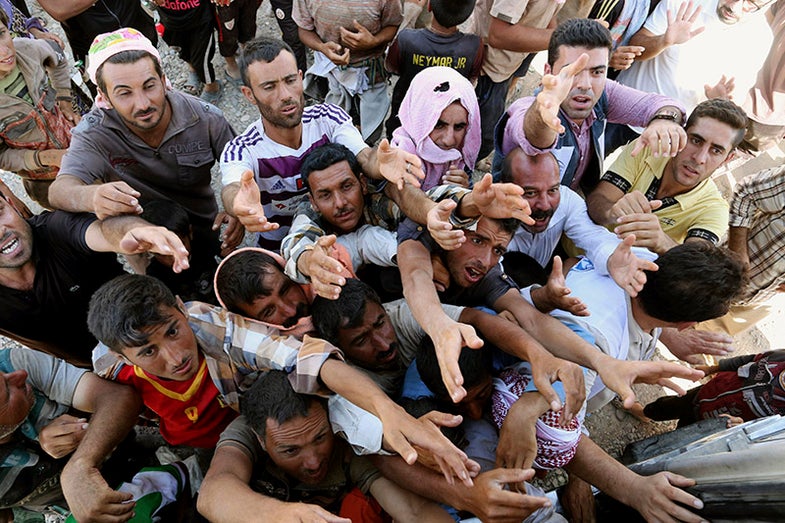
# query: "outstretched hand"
{"type": "Point", "coordinates": [159, 240]}
{"type": "Point", "coordinates": [556, 295]}
{"type": "Point", "coordinates": [620, 375]}
{"type": "Point", "coordinates": [327, 274]}
{"type": "Point", "coordinates": [440, 228]}
{"type": "Point", "coordinates": [247, 206]}
{"type": "Point", "coordinates": [449, 337]}
{"type": "Point", "coordinates": [555, 89]}
{"type": "Point", "coordinates": [501, 200]}
{"type": "Point", "coordinates": [626, 269]}
{"type": "Point", "coordinates": [397, 166]}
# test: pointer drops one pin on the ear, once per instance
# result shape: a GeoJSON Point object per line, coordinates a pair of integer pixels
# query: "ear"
{"type": "Point", "coordinates": [313, 205]}
{"type": "Point", "coordinates": [363, 184]}
{"type": "Point", "coordinates": [248, 93]}
{"type": "Point", "coordinates": [181, 306]}
{"type": "Point", "coordinates": [547, 68]}
{"type": "Point", "coordinates": [106, 99]}
{"type": "Point", "coordinates": [731, 156]}
{"type": "Point", "coordinates": [121, 357]}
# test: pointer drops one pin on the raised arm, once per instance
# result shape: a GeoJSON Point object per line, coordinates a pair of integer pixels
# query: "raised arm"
{"type": "Point", "coordinates": [680, 29]}
{"type": "Point", "coordinates": [115, 409]}
{"type": "Point", "coordinates": [62, 11]}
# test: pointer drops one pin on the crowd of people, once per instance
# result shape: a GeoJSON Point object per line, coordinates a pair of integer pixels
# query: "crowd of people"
{"type": "Point", "coordinates": [409, 338]}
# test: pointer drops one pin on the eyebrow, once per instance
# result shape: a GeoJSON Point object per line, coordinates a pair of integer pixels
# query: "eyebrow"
{"type": "Point", "coordinates": [701, 138]}
{"type": "Point", "coordinates": [123, 86]}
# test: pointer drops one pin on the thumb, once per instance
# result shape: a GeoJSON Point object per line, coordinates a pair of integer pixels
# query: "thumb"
{"type": "Point", "coordinates": [445, 207]}
{"type": "Point", "coordinates": [655, 204]}
{"type": "Point", "coordinates": [485, 183]}
{"type": "Point", "coordinates": [246, 178]}
{"type": "Point", "coordinates": [556, 272]}
{"type": "Point", "coordinates": [384, 146]}
{"type": "Point", "coordinates": [327, 241]}
{"type": "Point", "coordinates": [470, 337]}
{"type": "Point", "coordinates": [442, 419]}
{"type": "Point", "coordinates": [628, 242]}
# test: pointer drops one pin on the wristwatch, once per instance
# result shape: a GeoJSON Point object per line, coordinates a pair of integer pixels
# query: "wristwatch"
{"type": "Point", "coordinates": [673, 116]}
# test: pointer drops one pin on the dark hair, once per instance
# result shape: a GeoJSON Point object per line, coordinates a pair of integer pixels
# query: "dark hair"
{"type": "Point", "coordinates": [450, 13]}
{"type": "Point", "coordinates": [523, 269]}
{"type": "Point", "coordinates": [474, 364]}
{"type": "Point", "coordinates": [507, 174]}
{"type": "Point", "coordinates": [4, 19]}
{"type": "Point", "coordinates": [578, 32]}
{"type": "Point", "coordinates": [326, 155]}
{"type": "Point", "coordinates": [123, 309]}
{"type": "Point", "coordinates": [126, 57]}
{"type": "Point", "coordinates": [507, 225]}
{"type": "Point", "coordinates": [696, 281]}
{"type": "Point", "coordinates": [261, 49]}
{"type": "Point", "coordinates": [345, 312]}
{"type": "Point", "coordinates": [271, 396]}
{"type": "Point", "coordinates": [723, 111]}
{"type": "Point", "coordinates": [417, 407]}
{"type": "Point", "coordinates": [168, 214]}
{"type": "Point", "coordinates": [241, 278]}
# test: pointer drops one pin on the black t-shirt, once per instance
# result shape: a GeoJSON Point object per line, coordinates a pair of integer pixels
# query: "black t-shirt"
{"type": "Point", "coordinates": [484, 293]}
{"type": "Point", "coordinates": [105, 16]}
{"type": "Point", "coordinates": [180, 15]}
{"type": "Point", "coordinates": [53, 315]}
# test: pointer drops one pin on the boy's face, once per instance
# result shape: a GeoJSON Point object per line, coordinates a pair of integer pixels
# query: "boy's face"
{"type": "Point", "coordinates": [473, 404]}
{"type": "Point", "coordinates": [171, 351]}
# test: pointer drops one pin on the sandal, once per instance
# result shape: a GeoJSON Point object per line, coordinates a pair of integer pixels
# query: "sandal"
{"type": "Point", "coordinates": [192, 85]}
{"type": "Point", "coordinates": [237, 82]}
{"type": "Point", "coordinates": [212, 97]}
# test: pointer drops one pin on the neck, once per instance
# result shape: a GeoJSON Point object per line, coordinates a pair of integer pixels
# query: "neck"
{"type": "Point", "coordinates": [644, 321]}
{"type": "Point", "coordinates": [439, 29]}
{"type": "Point", "coordinates": [19, 278]}
{"type": "Point", "coordinates": [291, 137]}
{"type": "Point", "coordinates": [668, 187]}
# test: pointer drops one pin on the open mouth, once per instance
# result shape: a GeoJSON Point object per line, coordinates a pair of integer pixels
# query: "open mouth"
{"type": "Point", "coordinates": [8, 61]}
{"type": "Point", "coordinates": [10, 246]}
{"type": "Point", "coordinates": [474, 274]}
{"type": "Point", "coordinates": [388, 355]}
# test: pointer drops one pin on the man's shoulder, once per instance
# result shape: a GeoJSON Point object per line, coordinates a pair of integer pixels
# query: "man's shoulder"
{"type": "Point", "coordinates": [186, 107]}
{"type": "Point", "coordinates": [324, 114]}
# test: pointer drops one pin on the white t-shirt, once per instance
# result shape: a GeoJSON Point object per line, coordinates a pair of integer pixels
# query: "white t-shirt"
{"type": "Point", "coordinates": [277, 167]}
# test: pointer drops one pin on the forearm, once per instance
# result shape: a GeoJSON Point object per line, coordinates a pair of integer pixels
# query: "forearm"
{"type": "Point", "coordinates": [413, 202]}
{"type": "Point", "coordinates": [421, 480]}
{"type": "Point", "coordinates": [311, 40]}
{"type": "Point", "coordinates": [111, 231]}
{"type": "Point", "coordinates": [536, 130]}
{"type": "Point", "coordinates": [737, 241]}
{"type": "Point", "coordinates": [355, 386]}
{"type": "Point", "coordinates": [595, 466]}
{"type": "Point", "coordinates": [517, 38]}
{"type": "Point", "coordinates": [69, 193]}
{"type": "Point", "coordinates": [557, 338]}
{"type": "Point", "coordinates": [417, 282]}
{"type": "Point", "coordinates": [246, 504]}
{"type": "Point", "coordinates": [599, 208]}
{"type": "Point", "coordinates": [503, 334]}
{"type": "Point", "coordinates": [384, 36]}
{"type": "Point", "coordinates": [227, 197]}
{"type": "Point", "coordinates": [653, 44]}
{"type": "Point", "coordinates": [116, 410]}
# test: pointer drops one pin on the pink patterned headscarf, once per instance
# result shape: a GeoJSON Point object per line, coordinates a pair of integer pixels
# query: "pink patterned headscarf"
{"type": "Point", "coordinates": [430, 93]}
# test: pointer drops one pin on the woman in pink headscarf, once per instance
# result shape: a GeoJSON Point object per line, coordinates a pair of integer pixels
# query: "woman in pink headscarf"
{"type": "Point", "coordinates": [440, 123]}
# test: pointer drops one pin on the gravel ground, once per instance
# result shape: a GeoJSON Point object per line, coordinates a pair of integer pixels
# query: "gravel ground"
{"type": "Point", "coordinates": [612, 429]}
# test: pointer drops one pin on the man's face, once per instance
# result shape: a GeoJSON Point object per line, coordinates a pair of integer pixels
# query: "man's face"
{"type": "Point", "coordinates": [277, 90]}
{"type": "Point", "coordinates": [732, 11]}
{"type": "Point", "coordinates": [302, 446]}
{"type": "Point", "coordinates": [137, 93]}
{"type": "Point", "coordinates": [7, 52]}
{"type": "Point", "coordinates": [171, 351]}
{"type": "Point", "coordinates": [709, 142]}
{"type": "Point", "coordinates": [16, 238]}
{"type": "Point", "coordinates": [541, 187]}
{"type": "Point", "coordinates": [285, 305]}
{"type": "Point", "coordinates": [373, 344]}
{"type": "Point", "coordinates": [478, 254]}
{"type": "Point", "coordinates": [337, 194]}
{"type": "Point", "coordinates": [588, 85]}
{"type": "Point", "coordinates": [473, 404]}
{"type": "Point", "coordinates": [450, 129]}
{"type": "Point", "coordinates": [16, 397]}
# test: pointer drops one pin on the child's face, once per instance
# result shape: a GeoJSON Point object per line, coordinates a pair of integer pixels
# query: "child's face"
{"type": "Point", "coordinates": [171, 351]}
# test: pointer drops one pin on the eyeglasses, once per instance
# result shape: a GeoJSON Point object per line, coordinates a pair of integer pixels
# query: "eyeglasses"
{"type": "Point", "coordinates": [751, 6]}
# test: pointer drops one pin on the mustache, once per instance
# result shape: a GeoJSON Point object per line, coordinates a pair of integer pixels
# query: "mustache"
{"type": "Point", "coordinates": [541, 215]}
{"type": "Point", "coordinates": [144, 112]}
